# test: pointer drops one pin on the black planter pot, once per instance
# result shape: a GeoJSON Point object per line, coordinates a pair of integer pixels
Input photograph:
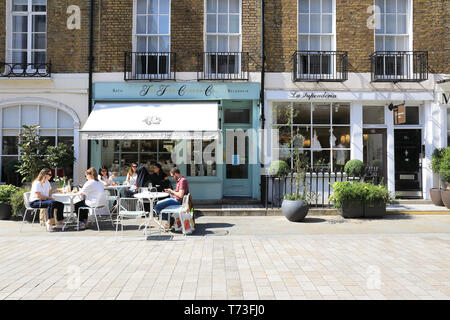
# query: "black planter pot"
{"type": "Point", "coordinates": [374, 209]}
{"type": "Point", "coordinates": [352, 209]}
{"type": "Point", "coordinates": [436, 197]}
{"type": "Point", "coordinates": [294, 210]}
{"type": "Point", "coordinates": [445, 194]}
{"type": "Point", "coordinates": [5, 211]}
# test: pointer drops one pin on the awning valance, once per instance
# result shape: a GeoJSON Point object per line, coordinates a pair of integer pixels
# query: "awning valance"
{"type": "Point", "coordinates": [172, 121]}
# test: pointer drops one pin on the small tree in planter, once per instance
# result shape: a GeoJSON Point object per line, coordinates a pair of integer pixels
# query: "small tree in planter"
{"type": "Point", "coordinates": [60, 156]}
{"type": "Point", "coordinates": [5, 201]}
{"type": "Point", "coordinates": [17, 204]}
{"type": "Point", "coordinates": [444, 171]}
{"type": "Point", "coordinates": [435, 193]}
{"type": "Point", "coordinates": [295, 206]}
{"type": "Point", "coordinates": [354, 168]}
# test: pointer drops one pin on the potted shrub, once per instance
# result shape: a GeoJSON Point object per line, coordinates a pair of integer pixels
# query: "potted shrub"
{"type": "Point", "coordinates": [377, 196]}
{"type": "Point", "coordinates": [444, 172]}
{"type": "Point", "coordinates": [349, 198]}
{"type": "Point", "coordinates": [5, 201]}
{"type": "Point", "coordinates": [435, 193]}
{"type": "Point", "coordinates": [18, 207]}
{"type": "Point", "coordinates": [354, 168]}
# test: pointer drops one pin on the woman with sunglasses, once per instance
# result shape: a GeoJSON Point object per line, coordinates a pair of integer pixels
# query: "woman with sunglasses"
{"type": "Point", "coordinates": [105, 177]}
{"type": "Point", "coordinates": [131, 181]}
{"type": "Point", "coordinates": [40, 197]}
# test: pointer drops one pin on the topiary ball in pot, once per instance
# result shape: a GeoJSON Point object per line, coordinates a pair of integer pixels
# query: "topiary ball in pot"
{"type": "Point", "coordinates": [354, 167]}
{"type": "Point", "coordinates": [5, 201]}
{"type": "Point", "coordinates": [278, 168]}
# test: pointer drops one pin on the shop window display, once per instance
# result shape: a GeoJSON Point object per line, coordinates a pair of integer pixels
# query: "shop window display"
{"type": "Point", "coordinates": [321, 131]}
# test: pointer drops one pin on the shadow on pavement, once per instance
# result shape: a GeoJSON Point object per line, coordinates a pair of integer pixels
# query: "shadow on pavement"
{"type": "Point", "coordinates": [203, 229]}
{"type": "Point", "coordinates": [312, 220]}
{"type": "Point", "coordinates": [396, 217]}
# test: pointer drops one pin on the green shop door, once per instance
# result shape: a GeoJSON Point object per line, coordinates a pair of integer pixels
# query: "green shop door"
{"type": "Point", "coordinates": [237, 175]}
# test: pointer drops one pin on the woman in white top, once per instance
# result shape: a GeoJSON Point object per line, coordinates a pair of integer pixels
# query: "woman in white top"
{"type": "Point", "coordinates": [40, 197]}
{"type": "Point", "coordinates": [105, 177]}
{"type": "Point", "coordinates": [91, 191]}
{"type": "Point", "coordinates": [131, 181]}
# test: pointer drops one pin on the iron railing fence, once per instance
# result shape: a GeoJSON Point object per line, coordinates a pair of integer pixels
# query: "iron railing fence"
{"type": "Point", "coordinates": [399, 66]}
{"type": "Point", "coordinates": [316, 183]}
{"type": "Point", "coordinates": [223, 66]}
{"type": "Point", "coordinates": [156, 66]}
{"type": "Point", "coordinates": [327, 66]}
{"type": "Point", "coordinates": [24, 69]}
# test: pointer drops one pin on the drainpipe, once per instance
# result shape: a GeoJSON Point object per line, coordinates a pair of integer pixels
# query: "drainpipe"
{"type": "Point", "coordinates": [91, 68]}
{"type": "Point", "coordinates": [261, 97]}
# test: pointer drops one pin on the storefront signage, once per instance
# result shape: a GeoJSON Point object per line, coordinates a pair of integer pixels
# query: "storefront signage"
{"type": "Point", "coordinates": [176, 91]}
{"type": "Point", "coordinates": [152, 120]}
{"type": "Point", "coordinates": [445, 98]}
{"type": "Point", "coordinates": [302, 95]}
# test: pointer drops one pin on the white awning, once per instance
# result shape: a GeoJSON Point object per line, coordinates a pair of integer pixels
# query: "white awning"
{"type": "Point", "coordinates": [172, 121]}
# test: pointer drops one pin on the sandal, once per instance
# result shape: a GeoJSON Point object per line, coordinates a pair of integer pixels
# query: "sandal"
{"type": "Point", "coordinates": [49, 227]}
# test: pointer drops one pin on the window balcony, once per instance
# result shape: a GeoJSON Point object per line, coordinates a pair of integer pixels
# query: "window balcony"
{"type": "Point", "coordinates": [399, 66]}
{"type": "Point", "coordinates": [25, 70]}
{"type": "Point", "coordinates": [326, 66]}
{"type": "Point", "coordinates": [150, 66]}
{"type": "Point", "coordinates": [223, 66]}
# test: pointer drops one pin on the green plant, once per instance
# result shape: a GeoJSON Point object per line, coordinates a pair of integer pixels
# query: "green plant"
{"type": "Point", "coordinates": [436, 159]}
{"type": "Point", "coordinates": [354, 167]}
{"type": "Point", "coordinates": [5, 193]}
{"type": "Point", "coordinates": [444, 165]}
{"type": "Point", "coordinates": [17, 204]}
{"type": "Point", "coordinates": [32, 153]}
{"type": "Point", "coordinates": [359, 191]}
{"type": "Point", "coordinates": [36, 154]}
{"type": "Point", "coordinates": [279, 168]}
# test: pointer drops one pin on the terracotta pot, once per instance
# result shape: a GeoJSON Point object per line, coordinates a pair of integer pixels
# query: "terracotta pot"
{"type": "Point", "coordinates": [445, 194]}
{"type": "Point", "coordinates": [436, 197]}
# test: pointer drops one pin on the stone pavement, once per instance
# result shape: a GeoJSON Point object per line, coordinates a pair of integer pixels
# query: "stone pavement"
{"type": "Point", "coordinates": [326, 257]}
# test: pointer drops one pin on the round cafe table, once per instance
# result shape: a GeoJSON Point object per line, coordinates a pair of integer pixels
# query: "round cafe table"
{"type": "Point", "coordinates": [151, 197]}
{"type": "Point", "coordinates": [62, 197]}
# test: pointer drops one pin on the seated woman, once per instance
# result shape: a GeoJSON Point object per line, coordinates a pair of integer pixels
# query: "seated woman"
{"type": "Point", "coordinates": [105, 177]}
{"type": "Point", "coordinates": [40, 198]}
{"type": "Point", "coordinates": [91, 191]}
{"type": "Point", "coordinates": [159, 178]}
{"type": "Point", "coordinates": [131, 181]}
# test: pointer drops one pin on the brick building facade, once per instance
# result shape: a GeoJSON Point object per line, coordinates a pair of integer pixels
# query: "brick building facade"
{"type": "Point", "coordinates": [115, 23]}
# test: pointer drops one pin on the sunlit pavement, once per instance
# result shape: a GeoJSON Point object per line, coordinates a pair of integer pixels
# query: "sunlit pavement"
{"type": "Point", "coordinates": [324, 257]}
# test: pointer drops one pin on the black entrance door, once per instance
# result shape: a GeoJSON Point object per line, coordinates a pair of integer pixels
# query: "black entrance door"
{"type": "Point", "coordinates": [408, 164]}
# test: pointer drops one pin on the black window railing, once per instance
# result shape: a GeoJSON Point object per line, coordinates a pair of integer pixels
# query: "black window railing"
{"type": "Point", "coordinates": [320, 66]}
{"type": "Point", "coordinates": [398, 66]}
{"type": "Point", "coordinates": [25, 70]}
{"type": "Point", "coordinates": [223, 66]}
{"type": "Point", "coordinates": [150, 66]}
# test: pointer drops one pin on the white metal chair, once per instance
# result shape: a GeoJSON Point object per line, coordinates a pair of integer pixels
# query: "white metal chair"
{"type": "Point", "coordinates": [99, 206]}
{"type": "Point", "coordinates": [176, 209]}
{"type": "Point", "coordinates": [28, 208]}
{"type": "Point", "coordinates": [131, 208]}
{"type": "Point", "coordinates": [113, 196]}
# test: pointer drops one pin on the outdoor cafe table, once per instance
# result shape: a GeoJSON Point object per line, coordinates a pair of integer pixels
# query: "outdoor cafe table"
{"type": "Point", "coordinates": [62, 197]}
{"type": "Point", "coordinates": [151, 197]}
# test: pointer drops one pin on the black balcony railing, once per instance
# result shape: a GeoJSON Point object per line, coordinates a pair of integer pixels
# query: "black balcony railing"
{"type": "Point", "coordinates": [23, 69]}
{"type": "Point", "coordinates": [150, 66]}
{"type": "Point", "coordinates": [320, 66]}
{"type": "Point", "coordinates": [223, 66]}
{"type": "Point", "coordinates": [397, 66]}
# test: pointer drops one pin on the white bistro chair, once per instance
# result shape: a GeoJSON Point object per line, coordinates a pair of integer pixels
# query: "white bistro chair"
{"type": "Point", "coordinates": [176, 209]}
{"type": "Point", "coordinates": [130, 208]}
{"type": "Point", "coordinates": [28, 208]}
{"type": "Point", "coordinates": [96, 211]}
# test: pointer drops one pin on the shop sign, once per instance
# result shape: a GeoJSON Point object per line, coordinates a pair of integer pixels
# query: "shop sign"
{"type": "Point", "coordinates": [400, 115]}
{"type": "Point", "coordinates": [185, 91]}
{"type": "Point", "coordinates": [302, 95]}
{"type": "Point", "coordinates": [445, 98]}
